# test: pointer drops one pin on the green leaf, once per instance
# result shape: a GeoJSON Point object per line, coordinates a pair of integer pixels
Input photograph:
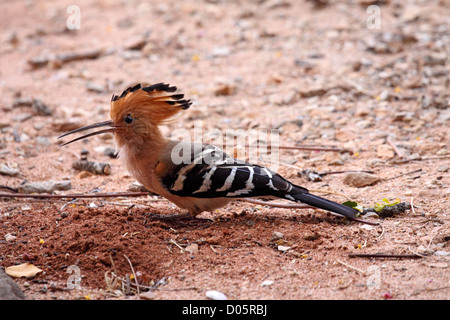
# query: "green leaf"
{"type": "Point", "coordinates": [350, 204]}
{"type": "Point", "coordinates": [354, 205]}
{"type": "Point", "coordinates": [385, 203]}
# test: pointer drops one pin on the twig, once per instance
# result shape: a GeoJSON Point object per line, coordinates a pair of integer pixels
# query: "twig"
{"type": "Point", "coordinates": [395, 161]}
{"type": "Point", "coordinates": [365, 221]}
{"type": "Point", "coordinates": [127, 285]}
{"type": "Point", "coordinates": [434, 236]}
{"type": "Point", "coordinates": [9, 188]}
{"type": "Point", "coordinates": [134, 274]}
{"type": "Point", "coordinates": [134, 205]}
{"type": "Point", "coordinates": [62, 58]}
{"type": "Point", "coordinates": [415, 253]}
{"type": "Point", "coordinates": [344, 171]}
{"type": "Point", "coordinates": [176, 289]}
{"type": "Point", "coordinates": [349, 266]}
{"type": "Point", "coordinates": [112, 263]}
{"type": "Point", "coordinates": [403, 174]}
{"type": "Point", "coordinates": [382, 232]}
{"type": "Point", "coordinates": [175, 243]}
{"type": "Point", "coordinates": [212, 248]}
{"type": "Point", "coordinates": [429, 290]}
{"type": "Point", "coordinates": [111, 283]}
{"type": "Point", "coordinates": [54, 287]}
{"type": "Point", "coordinates": [93, 195]}
{"type": "Point", "coordinates": [412, 206]}
{"type": "Point", "coordinates": [396, 150]}
{"type": "Point", "coordinates": [384, 255]}
{"type": "Point", "coordinates": [67, 203]}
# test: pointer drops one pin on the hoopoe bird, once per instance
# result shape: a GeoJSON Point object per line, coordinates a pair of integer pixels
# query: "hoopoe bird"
{"type": "Point", "coordinates": [209, 179]}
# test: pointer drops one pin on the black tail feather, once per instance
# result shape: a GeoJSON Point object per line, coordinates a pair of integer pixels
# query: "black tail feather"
{"type": "Point", "coordinates": [323, 203]}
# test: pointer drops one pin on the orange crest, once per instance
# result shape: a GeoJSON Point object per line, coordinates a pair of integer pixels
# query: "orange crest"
{"type": "Point", "coordinates": [157, 103]}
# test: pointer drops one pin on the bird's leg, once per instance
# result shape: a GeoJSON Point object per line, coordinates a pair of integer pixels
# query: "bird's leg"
{"type": "Point", "coordinates": [168, 217]}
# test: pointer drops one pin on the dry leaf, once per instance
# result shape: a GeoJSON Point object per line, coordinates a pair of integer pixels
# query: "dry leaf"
{"type": "Point", "coordinates": [22, 270]}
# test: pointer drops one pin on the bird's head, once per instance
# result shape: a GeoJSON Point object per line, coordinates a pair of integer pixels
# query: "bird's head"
{"type": "Point", "coordinates": [137, 112]}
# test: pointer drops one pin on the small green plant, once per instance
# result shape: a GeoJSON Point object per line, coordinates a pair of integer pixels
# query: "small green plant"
{"type": "Point", "coordinates": [385, 203]}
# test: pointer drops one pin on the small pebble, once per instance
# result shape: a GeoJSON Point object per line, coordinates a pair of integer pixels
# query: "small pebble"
{"type": "Point", "coordinates": [360, 179]}
{"type": "Point", "coordinates": [6, 170]}
{"type": "Point", "coordinates": [136, 187]}
{"type": "Point", "coordinates": [443, 169]}
{"type": "Point", "coordinates": [192, 248]}
{"type": "Point", "coordinates": [283, 248]}
{"type": "Point", "coordinates": [225, 90]}
{"type": "Point", "coordinates": [23, 102]}
{"type": "Point", "coordinates": [336, 162]}
{"type": "Point", "coordinates": [149, 295]}
{"type": "Point", "coordinates": [95, 87]}
{"type": "Point", "coordinates": [110, 152]}
{"type": "Point", "coordinates": [437, 253]}
{"type": "Point", "coordinates": [38, 125]}
{"type": "Point", "coordinates": [215, 295]}
{"type": "Point", "coordinates": [40, 108]}
{"type": "Point", "coordinates": [267, 283]}
{"type": "Point", "coordinates": [21, 117]}
{"type": "Point", "coordinates": [277, 235]}
{"type": "Point", "coordinates": [43, 141]}
{"type": "Point", "coordinates": [9, 237]}
{"type": "Point", "coordinates": [430, 193]}
{"type": "Point", "coordinates": [310, 175]}
{"type": "Point", "coordinates": [220, 51]}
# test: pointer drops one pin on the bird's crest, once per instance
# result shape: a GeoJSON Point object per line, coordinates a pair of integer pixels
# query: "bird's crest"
{"type": "Point", "coordinates": [157, 102]}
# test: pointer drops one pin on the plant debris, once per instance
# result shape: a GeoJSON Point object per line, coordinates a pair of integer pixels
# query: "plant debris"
{"type": "Point", "coordinates": [92, 166]}
{"type": "Point", "coordinates": [387, 211]}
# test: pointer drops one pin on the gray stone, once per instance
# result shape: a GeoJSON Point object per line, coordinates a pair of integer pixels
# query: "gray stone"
{"type": "Point", "coordinates": [360, 179]}
{"type": "Point", "coordinates": [45, 186]}
{"type": "Point", "coordinates": [9, 290]}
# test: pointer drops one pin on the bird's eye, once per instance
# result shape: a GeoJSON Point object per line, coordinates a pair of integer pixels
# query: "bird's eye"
{"type": "Point", "coordinates": [128, 119]}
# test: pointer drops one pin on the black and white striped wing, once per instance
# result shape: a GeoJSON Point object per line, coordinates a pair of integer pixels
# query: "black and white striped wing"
{"type": "Point", "coordinates": [225, 177]}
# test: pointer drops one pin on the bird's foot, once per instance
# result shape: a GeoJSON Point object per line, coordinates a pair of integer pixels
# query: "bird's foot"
{"type": "Point", "coordinates": [182, 218]}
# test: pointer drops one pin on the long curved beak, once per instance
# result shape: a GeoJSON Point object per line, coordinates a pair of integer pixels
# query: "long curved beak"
{"type": "Point", "coordinates": [109, 123]}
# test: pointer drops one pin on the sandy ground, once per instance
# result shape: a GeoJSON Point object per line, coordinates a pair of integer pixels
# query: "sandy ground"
{"type": "Point", "coordinates": [319, 75]}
